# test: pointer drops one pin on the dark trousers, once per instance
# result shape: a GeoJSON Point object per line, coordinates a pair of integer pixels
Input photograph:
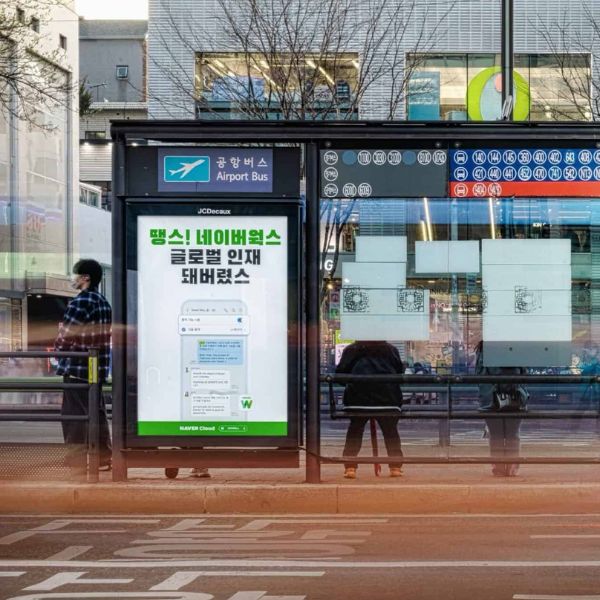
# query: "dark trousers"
{"type": "Point", "coordinates": [389, 428]}
{"type": "Point", "coordinates": [75, 403]}
{"type": "Point", "coordinates": [504, 437]}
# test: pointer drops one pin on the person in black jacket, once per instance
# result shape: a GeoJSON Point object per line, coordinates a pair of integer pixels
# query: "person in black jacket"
{"type": "Point", "coordinates": [372, 358]}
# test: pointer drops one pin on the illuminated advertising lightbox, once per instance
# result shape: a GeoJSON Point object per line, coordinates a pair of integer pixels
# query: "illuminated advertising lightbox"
{"type": "Point", "coordinates": [212, 323]}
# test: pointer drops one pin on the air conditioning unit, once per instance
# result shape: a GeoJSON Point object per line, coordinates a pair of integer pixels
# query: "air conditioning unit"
{"type": "Point", "coordinates": [122, 71]}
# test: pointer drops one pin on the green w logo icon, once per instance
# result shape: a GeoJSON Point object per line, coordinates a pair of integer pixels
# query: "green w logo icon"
{"type": "Point", "coordinates": [246, 402]}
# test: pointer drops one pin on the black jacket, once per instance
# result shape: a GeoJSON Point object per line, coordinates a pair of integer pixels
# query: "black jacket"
{"type": "Point", "coordinates": [371, 358]}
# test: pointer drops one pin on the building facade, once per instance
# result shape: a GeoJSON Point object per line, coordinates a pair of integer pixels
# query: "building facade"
{"type": "Point", "coordinates": [112, 67]}
{"type": "Point", "coordinates": [39, 170]}
{"type": "Point", "coordinates": [426, 66]}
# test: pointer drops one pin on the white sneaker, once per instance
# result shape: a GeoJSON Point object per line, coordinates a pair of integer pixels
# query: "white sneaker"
{"type": "Point", "coordinates": [200, 472]}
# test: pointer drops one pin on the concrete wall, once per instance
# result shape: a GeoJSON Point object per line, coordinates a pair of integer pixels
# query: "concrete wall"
{"type": "Point", "coordinates": [98, 60]}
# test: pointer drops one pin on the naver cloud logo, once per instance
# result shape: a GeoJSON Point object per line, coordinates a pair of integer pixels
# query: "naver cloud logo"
{"type": "Point", "coordinates": [187, 169]}
{"type": "Point", "coordinates": [246, 402]}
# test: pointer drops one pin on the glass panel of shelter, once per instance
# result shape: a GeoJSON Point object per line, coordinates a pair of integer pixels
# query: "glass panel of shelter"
{"type": "Point", "coordinates": [474, 269]}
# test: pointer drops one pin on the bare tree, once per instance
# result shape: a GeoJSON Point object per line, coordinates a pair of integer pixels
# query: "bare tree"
{"type": "Point", "coordinates": [574, 92]}
{"type": "Point", "coordinates": [296, 60]}
{"type": "Point", "coordinates": [31, 77]}
{"type": "Point", "coordinates": [307, 60]}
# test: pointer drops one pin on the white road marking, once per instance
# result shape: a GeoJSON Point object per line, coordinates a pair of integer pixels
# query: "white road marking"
{"type": "Point", "coordinates": [258, 524]}
{"type": "Point", "coordinates": [70, 578]}
{"type": "Point", "coordinates": [571, 536]}
{"type": "Point", "coordinates": [262, 596]}
{"type": "Point", "coordinates": [113, 595]}
{"type": "Point", "coordinates": [182, 578]}
{"type": "Point", "coordinates": [299, 564]}
{"type": "Point", "coordinates": [293, 517]}
{"type": "Point", "coordinates": [553, 597]}
{"type": "Point", "coordinates": [70, 552]}
{"type": "Point", "coordinates": [12, 573]}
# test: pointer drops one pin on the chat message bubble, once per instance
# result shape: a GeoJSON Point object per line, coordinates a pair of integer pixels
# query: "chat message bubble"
{"type": "Point", "coordinates": [210, 405]}
{"type": "Point", "coordinates": [220, 351]}
{"type": "Point", "coordinates": [214, 379]}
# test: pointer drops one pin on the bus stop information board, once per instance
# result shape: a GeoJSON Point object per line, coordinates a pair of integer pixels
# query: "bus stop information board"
{"type": "Point", "coordinates": [525, 172]}
{"type": "Point", "coordinates": [383, 173]}
{"type": "Point", "coordinates": [212, 315]}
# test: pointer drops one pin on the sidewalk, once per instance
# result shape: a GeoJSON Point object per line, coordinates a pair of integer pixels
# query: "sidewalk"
{"type": "Point", "coordinates": [424, 489]}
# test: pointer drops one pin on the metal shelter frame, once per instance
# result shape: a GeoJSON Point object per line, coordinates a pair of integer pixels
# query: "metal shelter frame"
{"type": "Point", "coordinates": [312, 136]}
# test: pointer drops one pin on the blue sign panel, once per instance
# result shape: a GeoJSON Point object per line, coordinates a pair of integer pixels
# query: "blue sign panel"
{"type": "Point", "coordinates": [525, 172]}
{"type": "Point", "coordinates": [220, 170]}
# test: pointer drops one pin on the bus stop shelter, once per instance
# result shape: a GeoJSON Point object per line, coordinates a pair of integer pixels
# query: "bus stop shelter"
{"type": "Point", "coordinates": [248, 255]}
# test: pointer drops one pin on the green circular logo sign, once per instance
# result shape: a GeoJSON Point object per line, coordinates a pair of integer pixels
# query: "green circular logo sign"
{"type": "Point", "coordinates": [484, 96]}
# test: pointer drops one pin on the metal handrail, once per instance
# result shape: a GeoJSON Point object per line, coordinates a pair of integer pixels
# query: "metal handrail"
{"type": "Point", "coordinates": [446, 382]}
{"type": "Point", "coordinates": [92, 385]}
{"type": "Point", "coordinates": [453, 379]}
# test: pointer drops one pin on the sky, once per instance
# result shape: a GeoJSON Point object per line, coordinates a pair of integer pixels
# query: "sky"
{"type": "Point", "coordinates": [112, 9]}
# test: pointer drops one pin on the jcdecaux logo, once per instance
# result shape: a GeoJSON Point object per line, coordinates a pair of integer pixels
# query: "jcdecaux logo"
{"type": "Point", "coordinates": [187, 169]}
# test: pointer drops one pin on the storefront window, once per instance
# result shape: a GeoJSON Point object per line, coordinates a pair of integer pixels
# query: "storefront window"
{"type": "Point", "coordinates": [460, 87]}
{"type": "Point", "coordinates": [43, 198]}
{"type": "Point", "coordinates": [449, 264]}
{"type": "Point", "coordinates": [277, 86]}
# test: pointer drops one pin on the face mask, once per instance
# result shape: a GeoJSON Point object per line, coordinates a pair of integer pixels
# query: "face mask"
{"type": "Point", "coordinates": [74, 282]}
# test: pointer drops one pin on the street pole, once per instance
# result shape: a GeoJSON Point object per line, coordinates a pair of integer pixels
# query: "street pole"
{"type": "Point", "coordinates": [313, 392]}
{"type": "Point", "coordinates": [507, 58]}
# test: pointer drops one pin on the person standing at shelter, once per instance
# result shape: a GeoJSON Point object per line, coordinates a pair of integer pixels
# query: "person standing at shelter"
{"type": "Point", "coordinates": [507, 399]}
{"type": "Point", "coordinates": [86, 324]}
{"type": "Point", "coordinates": [372, 358]}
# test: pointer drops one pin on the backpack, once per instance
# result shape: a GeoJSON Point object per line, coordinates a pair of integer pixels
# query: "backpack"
{"type": "Point", "coordinates": [508, 397]}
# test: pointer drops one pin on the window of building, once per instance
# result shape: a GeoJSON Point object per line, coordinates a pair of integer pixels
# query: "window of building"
{"type": "Point", "coordinates": [259, 85]}
{"type": "Point", "coordinates": [20, 15]}
{"type": "Point", "coordinates": [62, 41]}
{"type": "Point", "coordinates": [95, 135]}
{"type": "Point", "coordinates": [35, 24]}
{"type": "Point", "coordinates": [122, 71]}
{"type": "Point", "coordinates": [89, 196]}
{"type": "Point", "coordinates": [106, 192]}
{"type": "Point", "coordinates": [469, 87]}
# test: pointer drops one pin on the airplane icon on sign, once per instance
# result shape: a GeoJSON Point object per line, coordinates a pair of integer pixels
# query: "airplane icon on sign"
{"type": "Point", "coordinates": [186, 168]}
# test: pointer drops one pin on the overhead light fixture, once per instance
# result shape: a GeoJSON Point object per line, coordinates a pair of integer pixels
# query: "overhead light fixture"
{"type": "Point", "coordinates": [265, 64]}
{"type": "Point", "coordinates": [327, 75]}
{"type": "Point", "coordinates": [424, 231]}
{"type": "Point", "coordinates": [356, 65]}
{"type": "Point", "coordinates": [428, 219]}
{"type": "Point", "coordinates": [214, 69]}
{"type": "Point", "coordinates": [492, 218]}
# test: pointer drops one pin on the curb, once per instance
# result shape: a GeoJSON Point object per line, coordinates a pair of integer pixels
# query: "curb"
{"type": "Point", "coordinates": [129, 498]}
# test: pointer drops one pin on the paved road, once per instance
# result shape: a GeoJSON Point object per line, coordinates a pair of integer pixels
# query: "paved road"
{"type": "Point", "coordinates": [300, 557]}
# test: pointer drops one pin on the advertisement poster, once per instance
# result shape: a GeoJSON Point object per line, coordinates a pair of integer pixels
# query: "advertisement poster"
{"type": "Point", "coordinates": [212, 326]}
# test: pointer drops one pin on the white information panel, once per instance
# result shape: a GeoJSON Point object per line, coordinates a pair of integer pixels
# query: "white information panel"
{"type": "Point", "coordinates": [212, 326]}
{"type": "Point", "coordinates": [375, 302]}
{"type": "Point", "coordinates": [527, 290]}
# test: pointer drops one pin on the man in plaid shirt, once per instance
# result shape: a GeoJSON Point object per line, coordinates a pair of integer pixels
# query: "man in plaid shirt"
{"type": "Point", "coordinates": [86, 324]}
